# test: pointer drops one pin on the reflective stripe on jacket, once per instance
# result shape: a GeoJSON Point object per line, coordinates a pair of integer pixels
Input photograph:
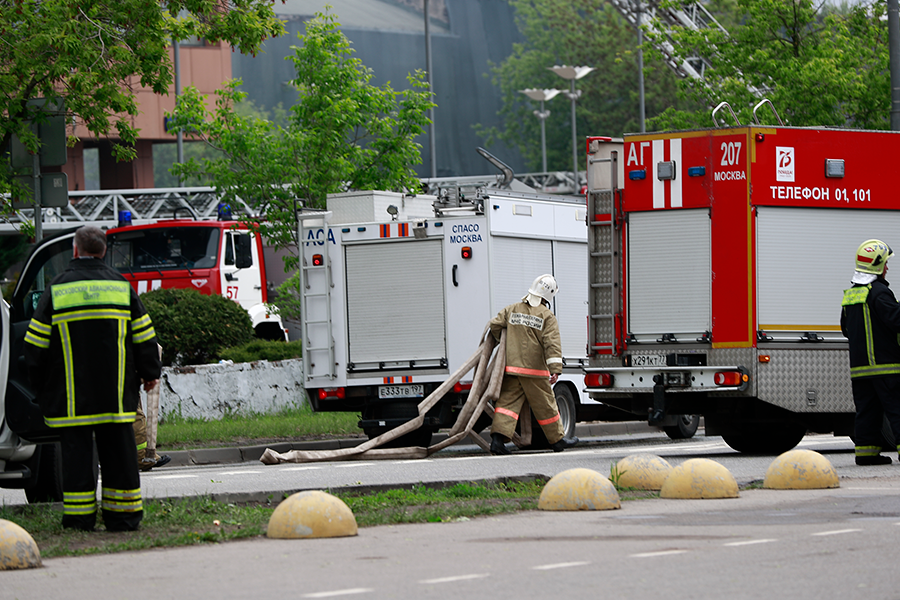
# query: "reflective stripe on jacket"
{"type": "Point", "coordinates": [88, 345]}
{"type": "Point", "coordinates": [870, 319]}
{"type": "Point", "coordinates": [532, 340]}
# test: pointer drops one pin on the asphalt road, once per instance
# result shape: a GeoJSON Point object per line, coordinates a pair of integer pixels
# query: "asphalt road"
{"type": "Point", "coordinates": [798, 544]}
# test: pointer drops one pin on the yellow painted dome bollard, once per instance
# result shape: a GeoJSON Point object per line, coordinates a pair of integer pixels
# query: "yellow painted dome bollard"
{"type": "Point", "coordinates": [699, 478]}
{"type": "Point", "coordinates": [312, 514]}
{"type": "Point", "coordinates": [579, 489]}
{"type": "Point", "coordinates": [801, 470]}
{"type": "Point", "coordinates": [642, 472]}
{"type": "Point", "coordinates": [17, 548]}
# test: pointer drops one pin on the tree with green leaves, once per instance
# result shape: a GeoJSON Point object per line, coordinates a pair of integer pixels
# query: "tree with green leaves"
{"type": "Point", "coordinates": [588, 33]}
{"type": "Point", "coordinates": [342, 134]}
{"type": "Point", "coordinates": [817, 64]}
{"type": "Point", "coordinates": [92, 54]}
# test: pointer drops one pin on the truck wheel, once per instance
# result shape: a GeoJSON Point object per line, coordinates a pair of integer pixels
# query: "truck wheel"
{"type": "Point", "coordinates": [684, 429]}
{"type": "Point", "coordinates": [768, 439]}
{"type": "Point", "coordinates": [48, 486]}
{"type": "Point", "coordinates": [421, 437]}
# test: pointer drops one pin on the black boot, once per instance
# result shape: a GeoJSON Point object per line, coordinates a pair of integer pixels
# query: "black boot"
{"type": "Point", "coordinates": [873, 460]}
{"type": "Point", "coordinates": [564, 443]}
{"type": "Point", "coordinates": [498, 444]}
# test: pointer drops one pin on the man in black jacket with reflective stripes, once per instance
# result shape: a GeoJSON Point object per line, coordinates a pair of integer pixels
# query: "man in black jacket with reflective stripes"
{"type": "Point", "coordinates": [89, 345]}
{"type": "Point", "coordinates": [870, 319]}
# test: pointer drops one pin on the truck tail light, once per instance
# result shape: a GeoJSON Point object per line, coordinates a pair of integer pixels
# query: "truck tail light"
{"type": "Point", "coordinates": [318, 260]}
{"type": "Point", "coordinates": [326, 393]}
{"type": "Point", "coordinates": [596, 380]}
{"type": "Point", "coordinates": [462, 386]}
{"type": "Point", "coordinates": [730, 378]}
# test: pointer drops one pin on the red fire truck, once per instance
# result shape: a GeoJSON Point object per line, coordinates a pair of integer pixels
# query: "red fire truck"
{"type": "Point", "coordinates": [213, 257]}
{"type": "Point", "coordinates": [717, 269]}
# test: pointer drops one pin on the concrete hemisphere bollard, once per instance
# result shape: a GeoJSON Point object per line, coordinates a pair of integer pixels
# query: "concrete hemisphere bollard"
{"type": "Point", "coordinates": [17, 548]}
{"type": "Point", "coordinates": [642, 472]}
{"type": "Point", "coordinates": [801, 470]}
{"type": "Point", "coordinates": [699, 478]}
{"type": "Point", "coordinates": [311, 514]}
{"type": "Point", "coordinates": [579, 489]}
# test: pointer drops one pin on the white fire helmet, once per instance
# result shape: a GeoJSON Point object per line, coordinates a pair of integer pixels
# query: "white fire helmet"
{"type": "Point", "coordinates": [543, 288]}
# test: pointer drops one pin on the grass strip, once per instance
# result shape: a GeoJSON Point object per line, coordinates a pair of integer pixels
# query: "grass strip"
{"type": "Point", "coordinates": [179, 433]}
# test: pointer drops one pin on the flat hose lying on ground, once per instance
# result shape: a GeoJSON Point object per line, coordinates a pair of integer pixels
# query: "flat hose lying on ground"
{"type": "Point", "coordinates": [485, 387]}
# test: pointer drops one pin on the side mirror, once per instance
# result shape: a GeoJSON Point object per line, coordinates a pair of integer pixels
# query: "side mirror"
{"type": "Point", "coordinates": [243, 256]}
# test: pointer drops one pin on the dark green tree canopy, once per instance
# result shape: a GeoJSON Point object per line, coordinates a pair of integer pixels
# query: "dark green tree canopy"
{"type": "Point", "coordinates": [818, 65]}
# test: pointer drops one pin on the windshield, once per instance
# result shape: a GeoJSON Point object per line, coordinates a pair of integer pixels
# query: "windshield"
{"type": "Point", "coordinates": [163, 249]}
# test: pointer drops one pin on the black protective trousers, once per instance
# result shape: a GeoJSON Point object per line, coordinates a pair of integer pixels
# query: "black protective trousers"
{"type": "Point", "coordinates": [120, 497]}
{"type": "Point", "coordinates": [874, 398]}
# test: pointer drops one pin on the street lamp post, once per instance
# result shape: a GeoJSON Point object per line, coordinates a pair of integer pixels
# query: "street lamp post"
{"type": "Point", "coordinates": [542, 96]}
{"type": "Point", "coordinates": [572, 73]}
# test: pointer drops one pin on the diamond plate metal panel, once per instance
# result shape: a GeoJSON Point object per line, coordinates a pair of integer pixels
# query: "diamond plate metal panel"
{"type": "Point", "coordinates": [807, 381]}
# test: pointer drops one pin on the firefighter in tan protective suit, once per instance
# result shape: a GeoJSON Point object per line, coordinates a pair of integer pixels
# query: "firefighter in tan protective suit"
{"type": "Point", "coordinates": [533, 364]}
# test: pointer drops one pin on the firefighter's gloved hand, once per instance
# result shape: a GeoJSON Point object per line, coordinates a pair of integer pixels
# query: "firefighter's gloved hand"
{"type": "Point", "coordinates": [554, 378]}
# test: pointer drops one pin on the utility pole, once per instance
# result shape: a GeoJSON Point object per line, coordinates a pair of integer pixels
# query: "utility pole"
{"type": "Point", "coordinates": [894, 48]}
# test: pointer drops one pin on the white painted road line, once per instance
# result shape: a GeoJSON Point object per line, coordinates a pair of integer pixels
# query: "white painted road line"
{"type": "Point", "coordinates": [455, 578]}
{"type": "Point", "coordinates": [660, 553]}
{"type": "Point", "coordinates": [335, 593]}
{"type": "Point", "coordinates": [750, 542]}
{"type": "Point", "coordinates": [836, 532]}
{"type": "Point", "coordinates": [302, 468]}
{"type": "Point", "coordinates": [173, 476]}
{"type": "Point", "coordinates": [559, 566]}
{"type": "Point", "coordinates": [240, 472]}
{"type": "Point", "coordinates": [352, 465]}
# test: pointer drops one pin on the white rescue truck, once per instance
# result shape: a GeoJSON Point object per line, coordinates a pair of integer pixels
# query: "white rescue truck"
{"type": "Point", "coordinates": [717, 268]}
{"type": "Point", "coordinates": [392, 306]}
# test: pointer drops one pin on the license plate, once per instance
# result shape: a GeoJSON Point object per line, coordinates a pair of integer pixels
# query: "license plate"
{"type": "Point", "coordinates": [409, 390]}
{"type": "Point", "coordinates": [648, 360]}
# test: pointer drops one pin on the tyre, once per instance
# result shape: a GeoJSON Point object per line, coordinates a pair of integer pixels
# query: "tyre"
{"type": "Point", "coordinates": [684, 429]}
{"type": "Point", "coordinates": [401, 410]}
{"type": "Point", "coordinates": [768, 439]}
{"type": "Point", "coordinates": [48, 485]}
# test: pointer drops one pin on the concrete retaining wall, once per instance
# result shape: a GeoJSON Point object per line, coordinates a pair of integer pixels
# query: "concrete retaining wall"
{"type": "Point", "coordinates": [213, 391]}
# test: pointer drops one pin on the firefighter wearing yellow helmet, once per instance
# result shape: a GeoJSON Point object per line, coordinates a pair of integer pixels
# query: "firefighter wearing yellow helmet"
{"type": "Point", "coordinates": [870, 319]}
{"type": "Point", "coordinates": [533, 364]}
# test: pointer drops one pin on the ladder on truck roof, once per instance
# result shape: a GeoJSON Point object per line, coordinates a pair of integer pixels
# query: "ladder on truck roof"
{"type": "Point", "coordinates": [660, 20]}
{"type": "Point", "coordinates": [604, 253]}
{"type": "Point", "coordinates": [315, 306]}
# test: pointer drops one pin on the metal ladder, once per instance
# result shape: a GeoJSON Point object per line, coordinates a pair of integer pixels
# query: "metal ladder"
{"type": "Point", "coordinates": [604, 264]}
{"type": "Point", "coordinates": [315, 306]}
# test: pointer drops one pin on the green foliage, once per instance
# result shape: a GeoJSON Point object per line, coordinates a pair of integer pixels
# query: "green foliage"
{"type": "Point", "coordinates": [819, 65]}
{"type": "Point", "coordinates": [343, 134]}
{"type": "Point", "coordinates": [94, 55]}
{"type": "Point", "coordinates": [588, 33]}
{"type": "Point", "coordinates": [193, 328]}
{"type": "Point", "coordinates": [270, 350]}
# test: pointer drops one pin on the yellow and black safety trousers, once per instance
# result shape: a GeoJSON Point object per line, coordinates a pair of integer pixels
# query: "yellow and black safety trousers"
{"type": "Point", "coordinates": [120, 494]}
{"type": "Point", "coordinates": [870, 319]}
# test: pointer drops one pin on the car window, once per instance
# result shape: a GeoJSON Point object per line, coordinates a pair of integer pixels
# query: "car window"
{"type": "Point", "coordinates": [48, 259]}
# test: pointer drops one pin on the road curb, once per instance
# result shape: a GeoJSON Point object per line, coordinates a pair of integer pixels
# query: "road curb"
{"type": "Point", "coordinates": [221, 456]}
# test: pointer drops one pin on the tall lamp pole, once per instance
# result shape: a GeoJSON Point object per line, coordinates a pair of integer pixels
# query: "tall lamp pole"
{"type": "Point", "coordinates": [572, 74]}
{"type": "Point", "coordinates": [542, 96]}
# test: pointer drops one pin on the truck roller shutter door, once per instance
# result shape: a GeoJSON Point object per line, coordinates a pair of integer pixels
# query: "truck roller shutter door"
{"type": "Point", "coordinates": [669, 286]}
{"type": "Point", "coordinates": [805, 259]}
{"type": "Point", "coordinates": [395, 302]}
{"type": "Point", "coordinates": [515, 263]}
{"type": "Point", "coordinates": [571, 303]}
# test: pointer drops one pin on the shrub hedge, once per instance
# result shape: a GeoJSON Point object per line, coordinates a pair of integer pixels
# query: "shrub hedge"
{"type": "Point", "coordinates": [193, 328]}
{"type": "Point", "coordinates": [263, 350]}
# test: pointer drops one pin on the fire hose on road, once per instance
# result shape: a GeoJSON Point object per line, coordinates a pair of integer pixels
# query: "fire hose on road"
{"type": "Point", "coordinates": [485, 388]}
